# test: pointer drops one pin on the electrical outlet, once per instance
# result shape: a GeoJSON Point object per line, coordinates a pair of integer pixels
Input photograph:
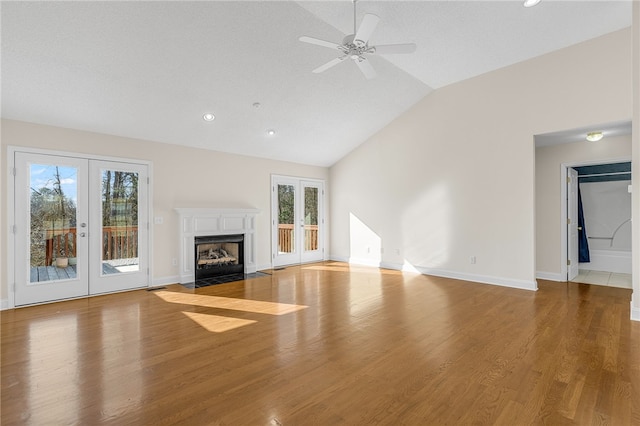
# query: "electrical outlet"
{"type": "Point", "coordinates": [158, 220]}
{"type": "Point", "coordinates": [174, 261]}
{"type": "Point", "coordinates": [473, 260]}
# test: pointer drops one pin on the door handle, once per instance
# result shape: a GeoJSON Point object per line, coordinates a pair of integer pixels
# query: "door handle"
{"type": "Point", "coordinates": [83, 234]}
{"type": "Point", "coordinates": [579, 228]}
{"type": "Point", "coordinates": [83, 225]}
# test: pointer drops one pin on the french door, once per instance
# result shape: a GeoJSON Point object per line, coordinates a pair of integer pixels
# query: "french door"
{"type": "Point", "coordinates": [81, 227]}
{"type": "Point", "coordinates": [297, 220]}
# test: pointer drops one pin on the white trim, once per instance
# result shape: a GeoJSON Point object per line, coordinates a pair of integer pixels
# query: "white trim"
{"type": "Point", "coordinates": [550, 276]}
{"type": "Point", "coordinates": [11, 238]}
{"type": "Point", "coordinates": [264, 267]}
{"type": "Point", "coordinates": [481, 279]}
{"type": "Point", "coordinates": [370, 262]}
{"type": "Point", "coordinates": [4, 304]}
{"type": "Point", "coordinates": [635, 313]}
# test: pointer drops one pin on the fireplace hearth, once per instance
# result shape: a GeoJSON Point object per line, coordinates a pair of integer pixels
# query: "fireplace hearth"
{"type": "Point", "coordinates": [218, 256]}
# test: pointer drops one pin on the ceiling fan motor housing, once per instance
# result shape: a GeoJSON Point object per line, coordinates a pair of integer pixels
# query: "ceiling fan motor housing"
{"type": "Point", "coordinates": [355, 48]}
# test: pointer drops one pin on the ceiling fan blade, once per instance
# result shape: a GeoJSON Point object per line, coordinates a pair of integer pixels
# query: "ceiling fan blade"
{"type": "Point", "coordinates": [328, 65]}
{"type": "Point", "coordinates": [390, 49]}
{"type": "Point", "coordinates": [367, 26]}
{"type": "Point", "coordinates": [319, 42]}
{"type": "Point", "coordinates": [366, 68]}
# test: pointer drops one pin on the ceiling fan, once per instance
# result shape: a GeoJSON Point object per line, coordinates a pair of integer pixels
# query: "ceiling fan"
{"type": "Point", "coordinates": [356, 46]}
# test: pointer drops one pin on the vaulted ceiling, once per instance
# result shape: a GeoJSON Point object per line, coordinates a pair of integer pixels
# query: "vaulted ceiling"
{"type": "Point", "coordinates": [150, 70]}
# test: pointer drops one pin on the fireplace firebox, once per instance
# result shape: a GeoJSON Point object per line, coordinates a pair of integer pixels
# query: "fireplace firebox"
{"type": "Point", "coordinates": [218, 255]}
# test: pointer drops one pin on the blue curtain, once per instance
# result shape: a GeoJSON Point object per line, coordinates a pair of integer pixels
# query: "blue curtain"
{"type": "Point", "coordinates": [583, 243]}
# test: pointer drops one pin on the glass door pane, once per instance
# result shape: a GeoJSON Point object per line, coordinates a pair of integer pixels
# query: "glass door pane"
{"type": "Point", "coordinates": [119, 253]}
{"type": "Point", "coordinates": [286, 219]}
{"type": "Point", "coordinates": [53, 244]}
{"type": "Point", "coordinates": [310, 218]}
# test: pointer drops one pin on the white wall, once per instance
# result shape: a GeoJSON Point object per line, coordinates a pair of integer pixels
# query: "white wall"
{"type": "Point", "coordinates": [549, 223]}
{"type": "Point", "coordinates": [183, 177]}
{"type": "Point", "coordinates": [454, 176]}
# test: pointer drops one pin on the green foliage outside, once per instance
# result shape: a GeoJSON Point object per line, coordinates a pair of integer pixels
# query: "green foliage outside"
{"type": "Point", "coordinates": [286, 205]}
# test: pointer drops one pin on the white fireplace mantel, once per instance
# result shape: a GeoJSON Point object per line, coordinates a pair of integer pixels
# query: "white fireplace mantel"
{"type": "Point", "coordinates": [199, 222]}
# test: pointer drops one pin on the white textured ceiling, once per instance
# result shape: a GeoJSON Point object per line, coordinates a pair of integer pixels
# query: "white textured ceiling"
{"type": "Point", "coordinates": [149, 70]}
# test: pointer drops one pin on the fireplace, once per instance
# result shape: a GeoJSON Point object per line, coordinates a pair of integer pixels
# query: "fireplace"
{"type": "Point", "coordinates": [209, 222]}
{"type": "Point", "coordinates": [218, 255]}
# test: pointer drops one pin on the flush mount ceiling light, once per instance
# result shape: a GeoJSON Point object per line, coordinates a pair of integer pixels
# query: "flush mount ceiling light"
{"type": "Point", "coordinates": [271, 132]}
{"type": "Point", "coordinates": [594, 136]}
{"type": "Point", "coordinates": [208, 117]}
{"type": "Point", "coordinates": [530, 3]}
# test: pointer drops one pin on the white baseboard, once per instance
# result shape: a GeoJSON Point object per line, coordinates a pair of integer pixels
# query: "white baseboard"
{"type": "Point", "coordinates": [550, 276]}
{"type": "Point", "coordinates": [482, 279]}
{"type": "Point", "coordinates": [635, 313]}
{"type": "Point", "coordinates": [264, 267]}
{"type": "Point", "coordinates": [4, 304]}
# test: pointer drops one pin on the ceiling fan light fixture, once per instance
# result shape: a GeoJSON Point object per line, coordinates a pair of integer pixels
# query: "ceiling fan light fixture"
{"type": "Point", "coordinates": [208, 116]}
{"type": "Point", "coordinates": [530, 3]}
{"type": "Point", "coordinates": [594, 136]}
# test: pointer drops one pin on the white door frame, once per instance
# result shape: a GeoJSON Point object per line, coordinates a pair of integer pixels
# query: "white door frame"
{"type": "Point", "coordinates": [563, 204]}
{"type": "Point", "coordinates": [573, 237]}
{"type": "Point", "coordinates": [11, 204]}
{"type": "Point", "coordinates": [298, 181]}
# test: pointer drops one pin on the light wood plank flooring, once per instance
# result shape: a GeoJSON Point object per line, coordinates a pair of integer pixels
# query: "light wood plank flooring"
{"type": "Point", "coordinates": [326, 344]}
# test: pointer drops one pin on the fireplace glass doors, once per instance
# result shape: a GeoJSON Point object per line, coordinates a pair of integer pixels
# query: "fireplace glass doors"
{"type": "Point", "coordinates": [218, 255]}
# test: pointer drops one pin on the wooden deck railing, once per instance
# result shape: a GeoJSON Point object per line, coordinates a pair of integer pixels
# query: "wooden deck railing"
{"type": "Point", "coordinates": [118, 242]}
{"type": "Point", "coordinates": [285, 238]}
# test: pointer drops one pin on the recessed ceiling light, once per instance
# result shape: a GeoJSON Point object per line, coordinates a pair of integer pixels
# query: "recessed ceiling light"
{"type": "Point", "coordinates": [594, 136]}
{"type": "Point", "coordinates": [271, 132]}
{"type": "Point", "coordinates": [530, 3]}
{"type": "Point", "coordinates": [208, 117]}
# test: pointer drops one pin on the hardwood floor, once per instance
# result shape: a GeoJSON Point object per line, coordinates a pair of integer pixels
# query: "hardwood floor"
{"type": "Point", "coordinates": [326, 344]}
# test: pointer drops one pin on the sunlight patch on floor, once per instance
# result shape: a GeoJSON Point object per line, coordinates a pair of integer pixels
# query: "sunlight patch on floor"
{"type": "Point", "coordinates": [244, 305]}
{"type": "Point", "coordinates": [352, 268]}
{"type": "Point", "coordinates": [216, 323]}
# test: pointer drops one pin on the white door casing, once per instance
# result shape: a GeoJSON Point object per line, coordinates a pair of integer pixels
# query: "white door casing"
{"type": "Point", "coordinates": [87, 226]}
{"type": "Point", "coordinates": [301, 238]}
